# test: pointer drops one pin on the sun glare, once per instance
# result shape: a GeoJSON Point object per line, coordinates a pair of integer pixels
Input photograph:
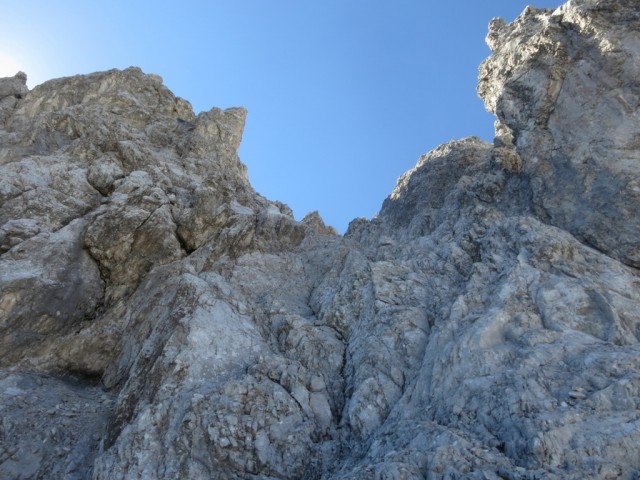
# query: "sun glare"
{"type": "Point", "coordinates": [8, 66]}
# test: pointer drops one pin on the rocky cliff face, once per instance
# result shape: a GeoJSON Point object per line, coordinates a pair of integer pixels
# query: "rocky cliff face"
{"type": "Point", "coordinates": [160, 319]}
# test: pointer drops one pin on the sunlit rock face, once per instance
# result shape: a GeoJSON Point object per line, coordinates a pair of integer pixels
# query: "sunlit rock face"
{"type": "Point", "coordinates": [564, 87]}
{"type": "Point", "coordinates": [159, 319]}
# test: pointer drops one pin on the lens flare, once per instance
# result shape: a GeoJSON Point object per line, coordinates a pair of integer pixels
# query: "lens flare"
{"type": "Point", "coordinates": [8, 66]}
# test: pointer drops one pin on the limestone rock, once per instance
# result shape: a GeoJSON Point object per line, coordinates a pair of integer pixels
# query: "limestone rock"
{"type": "Point", "coordinates": [563, 84]}
{"type": "Point", "coordinates": [50, 287]}
{"type": "Point", "coordinates": [51, 426]}
{"type": "Point", "coordinates": [314, 220]}
{"type": "Point", "coordinates": [11, 90]}
{"type": "Point", "coordinates": [160, 319]}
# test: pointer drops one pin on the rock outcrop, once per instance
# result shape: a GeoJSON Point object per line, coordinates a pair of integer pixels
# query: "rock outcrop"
{"type": "Point", "coordinates": [161, 319]}
{"type": "Point", "coordinates": [564, 88]}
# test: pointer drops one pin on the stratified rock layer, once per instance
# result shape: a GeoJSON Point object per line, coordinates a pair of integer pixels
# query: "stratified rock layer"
{"type": "Point", "coordinates": [160, 319]}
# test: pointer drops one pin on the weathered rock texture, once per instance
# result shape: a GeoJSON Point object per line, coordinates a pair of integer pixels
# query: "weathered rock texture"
{"type": "Point", "coordinates": [564, 87]}
{"type": "Point", "coordinates": [159, 319]}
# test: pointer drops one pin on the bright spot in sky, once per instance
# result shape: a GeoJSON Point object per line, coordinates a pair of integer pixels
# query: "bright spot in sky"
{"type": "Point", "coordinates": [8, 66]}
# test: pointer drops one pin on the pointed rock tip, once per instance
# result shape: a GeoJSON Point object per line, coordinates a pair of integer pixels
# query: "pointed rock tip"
{"type": "Point", "coordinates": [315, 221]}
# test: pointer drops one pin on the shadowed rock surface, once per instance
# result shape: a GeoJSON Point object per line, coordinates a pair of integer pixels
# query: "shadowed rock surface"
{"type": "Point", "coordinates": [159, 319]}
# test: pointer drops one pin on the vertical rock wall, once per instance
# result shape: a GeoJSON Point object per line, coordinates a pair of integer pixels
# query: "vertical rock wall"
{"type": "Point", "coordinates": [160, 319]}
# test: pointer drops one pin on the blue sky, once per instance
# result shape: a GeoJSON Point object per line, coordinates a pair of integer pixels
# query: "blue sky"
{"type": "Point", "coordinates": [343, 95]}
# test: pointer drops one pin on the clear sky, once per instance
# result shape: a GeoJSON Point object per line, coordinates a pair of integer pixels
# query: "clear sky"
{"type": "Point", "coordinates": [343, 95]}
